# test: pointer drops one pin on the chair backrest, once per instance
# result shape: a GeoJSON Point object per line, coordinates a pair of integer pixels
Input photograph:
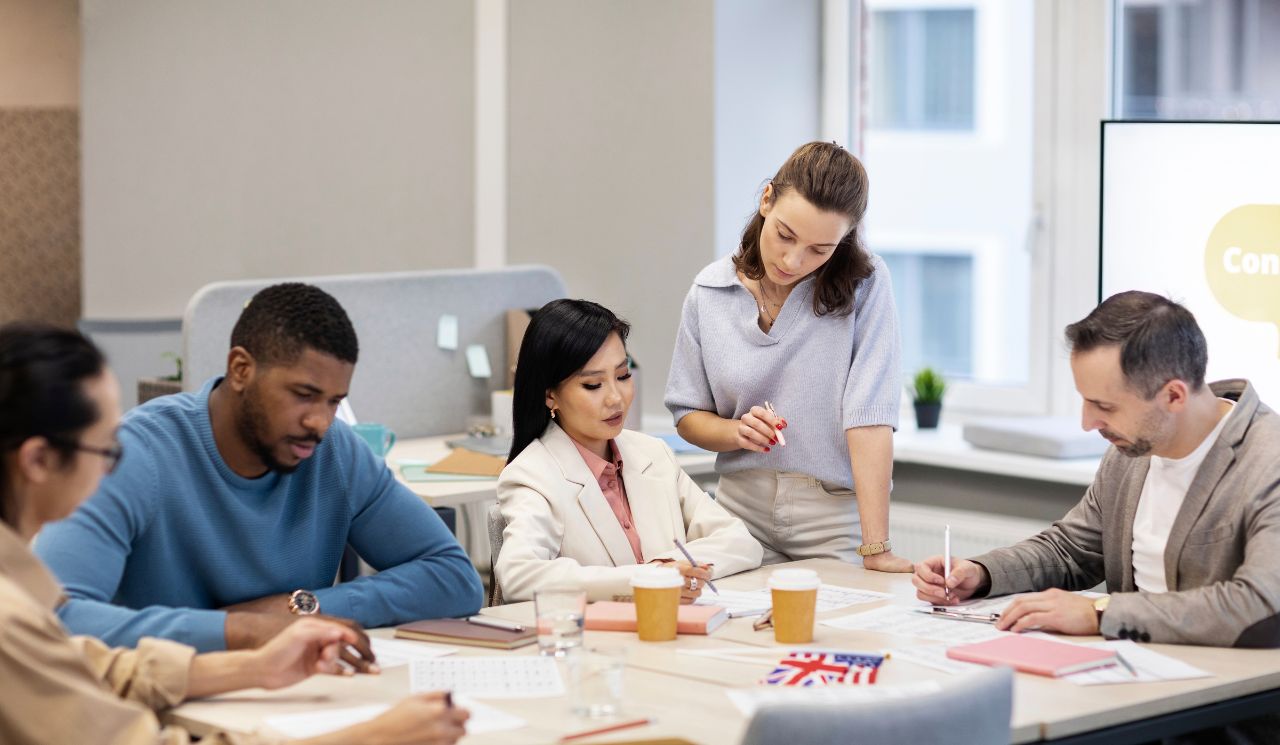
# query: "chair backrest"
{"type": "Point", "coordinates": [497, 526]}
{"type": "Point", "coordinates": [974, 709]}
{"type": "Point", "coordinates": [404, 379]}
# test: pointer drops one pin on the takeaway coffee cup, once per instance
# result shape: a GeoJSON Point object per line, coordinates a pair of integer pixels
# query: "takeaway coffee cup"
{"type": "Point", "coordinates": [795, 598]}
{"type": "Point", "coordinates": [657, 593]}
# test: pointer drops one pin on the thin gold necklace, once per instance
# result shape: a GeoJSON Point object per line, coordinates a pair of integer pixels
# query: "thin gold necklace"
{"type": "Point", "coordinates": [764, 301]}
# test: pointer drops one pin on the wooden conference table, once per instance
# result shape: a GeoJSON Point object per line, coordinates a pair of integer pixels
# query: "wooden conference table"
{"type": "Point", "coordinates": [685, 694]}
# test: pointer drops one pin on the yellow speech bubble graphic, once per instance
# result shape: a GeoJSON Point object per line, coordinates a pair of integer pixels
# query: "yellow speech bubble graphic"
{"type": "Point", "coordinates": [1242, 263]}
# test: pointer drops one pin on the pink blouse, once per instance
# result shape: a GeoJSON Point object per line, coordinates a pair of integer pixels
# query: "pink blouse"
{"type": "Point", "coordinates": [609, 475]}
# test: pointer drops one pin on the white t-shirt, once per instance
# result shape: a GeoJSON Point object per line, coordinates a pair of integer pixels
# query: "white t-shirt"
{"type": "Point", "coordinates": [1162, 493]}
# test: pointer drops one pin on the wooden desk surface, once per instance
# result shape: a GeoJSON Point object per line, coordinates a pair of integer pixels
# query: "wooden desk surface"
{"type": "Point", "coordinates": [456, 493]}
{"type": "Point", "coordinates": [685, 693]}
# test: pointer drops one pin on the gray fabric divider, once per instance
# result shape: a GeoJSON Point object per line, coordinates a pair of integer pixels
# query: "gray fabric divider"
{"type": "Point", "coordinates": [403, 379]}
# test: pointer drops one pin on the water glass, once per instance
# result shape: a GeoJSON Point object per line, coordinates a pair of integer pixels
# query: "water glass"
{"type": "Point", "coordinates": [560, 612]}
{"type": "Point", "coordinates": [596, 681]}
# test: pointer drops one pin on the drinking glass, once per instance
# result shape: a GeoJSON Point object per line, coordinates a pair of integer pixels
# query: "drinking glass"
{"type": "Point", "coordinates": [560, 612]}
{"type": "Point", "coordinates": [596, 681]}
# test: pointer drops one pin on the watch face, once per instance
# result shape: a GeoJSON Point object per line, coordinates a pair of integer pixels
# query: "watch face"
{"type": "Point", "coordinates": [304, 603]}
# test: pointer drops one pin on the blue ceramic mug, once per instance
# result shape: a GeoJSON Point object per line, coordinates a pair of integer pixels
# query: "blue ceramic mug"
{"type": "Point", "coordinates": [377, 436]}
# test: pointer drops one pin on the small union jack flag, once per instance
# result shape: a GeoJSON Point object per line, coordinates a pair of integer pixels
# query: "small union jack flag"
{"type": "Point", "coordinates": [824, 668]}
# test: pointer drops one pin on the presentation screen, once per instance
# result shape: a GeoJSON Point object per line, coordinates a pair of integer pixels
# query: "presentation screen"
{"type": "Point", "coordinates": [1191, 210]}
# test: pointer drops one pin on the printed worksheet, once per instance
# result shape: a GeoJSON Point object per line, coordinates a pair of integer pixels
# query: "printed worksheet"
{"type": "Point", "coordinates": [396, 652]}
{"type": "Point", "coordinates": [755, 602]}
{"type": "Point", "coordinates": [910, 621]}
{"type": "Point", "coordinates": [933, 656]}
{"type": "Point", "coordinates": [488, 677]}
{"type": "Point", "coordinates": [1149, 665]}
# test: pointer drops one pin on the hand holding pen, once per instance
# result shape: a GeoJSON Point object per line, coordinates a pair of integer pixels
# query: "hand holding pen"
{"type": "Point", "coordinates": [706, 568]}
{"type": "Point", "coordinates": [760, 429]}
{"type": "Point", "coordinates": [930, 580]}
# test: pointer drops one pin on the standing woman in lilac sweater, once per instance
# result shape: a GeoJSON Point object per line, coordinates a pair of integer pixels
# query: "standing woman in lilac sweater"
{"type": "Point", "coordinates": [801, 317]}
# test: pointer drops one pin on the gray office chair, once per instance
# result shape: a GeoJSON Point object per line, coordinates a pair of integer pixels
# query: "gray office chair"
{"type": "Point", "coordinates": [974, 709]}
{"type": "Point", "coordinates": [496, 528]}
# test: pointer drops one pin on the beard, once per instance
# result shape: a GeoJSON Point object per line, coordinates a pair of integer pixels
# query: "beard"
{"type": "Point", "coordinates": [253, 425]}
{"type": "Point", "coordinates": [1154, 426]}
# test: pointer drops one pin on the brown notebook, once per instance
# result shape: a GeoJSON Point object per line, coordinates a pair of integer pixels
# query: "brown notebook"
{"type": "Point", "coordinates": [469, 463]}
{"type": "Point", "coordinates": [458, 631]}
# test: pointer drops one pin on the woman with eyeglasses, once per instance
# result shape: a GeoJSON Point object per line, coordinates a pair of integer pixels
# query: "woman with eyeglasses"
{"type": "Point", "coordinates": [59, 408]}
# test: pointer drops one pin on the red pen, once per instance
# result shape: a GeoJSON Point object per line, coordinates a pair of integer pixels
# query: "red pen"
{"type": "Point", "coordinates": [610, 728]}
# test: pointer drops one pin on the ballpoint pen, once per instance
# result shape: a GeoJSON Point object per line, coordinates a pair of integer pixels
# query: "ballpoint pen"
{"type": "Point", "coordinates": [1120, 658]}
{"type": "Point", "coordinates": [960, 615]}
{"type": "Point", "coordinates": [946, 560]}
{"type": "Point", "coordinates": [496, 623]}
{"type": "Point", "coordinates": [781, 440]}
{"type": "Point", "coordinates": [692, 561]}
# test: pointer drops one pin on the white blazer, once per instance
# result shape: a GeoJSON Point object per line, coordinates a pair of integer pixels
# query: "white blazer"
{"type": "Point", "coordinates": [561, 529]}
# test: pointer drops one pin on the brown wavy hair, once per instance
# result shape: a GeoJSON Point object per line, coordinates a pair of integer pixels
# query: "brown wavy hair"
{"type": "Point", "coordinates": [833, 180]}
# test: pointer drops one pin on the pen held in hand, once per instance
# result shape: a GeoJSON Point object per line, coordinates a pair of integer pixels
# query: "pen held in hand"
{"type": "Point", "coordinates": [782, 440]}
{"type": "Point", "coordinates": [946, 560]}
{"type": "Point", "coordinates": [692, 561]}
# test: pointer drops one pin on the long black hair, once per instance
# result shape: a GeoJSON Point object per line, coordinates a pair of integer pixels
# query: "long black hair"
{"type": "Point", "coordinates": [562, 337]}
{"type": "Point", "coordinates": [42, 368]}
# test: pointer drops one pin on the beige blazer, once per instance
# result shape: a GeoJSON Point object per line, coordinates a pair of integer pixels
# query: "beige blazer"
{"type": "Point", "coordinates": [561, 530]}
{"type": "Point", "coordinates": [60, 689]}
{"type": "Point", "coordinates": [1223, 551]}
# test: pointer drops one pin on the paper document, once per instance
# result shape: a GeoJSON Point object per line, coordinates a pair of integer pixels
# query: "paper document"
{"type": "Point", "coordinates": [486, 718]}
{"type": "Point", "coordinates": [447, 332]}
{"type": "Point", "coordinates": [906, 621]}
{"type": "Point", "coordinates": [749, 699]}
{"type": "Point", "coordinates": [754, 602]}
{"type": "Point", "coordinates": [933, 656]}
{"type": "Point", "coordinates": [478, 361]}
{"type": "Point", "coordinates": [488, 677]}
{"type": "Point", "coordinates": [396, 652]}
{"type": "Point", "coordinates": [323, 721]}
{"type": "Point", "coordinates": [996, 604]}
{"type": "Point", "coordinates": [1149, 664]}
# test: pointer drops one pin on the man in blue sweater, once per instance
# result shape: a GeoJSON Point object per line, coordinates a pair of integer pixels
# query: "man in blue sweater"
{"type": "Point", "coordinates": [228, 515]}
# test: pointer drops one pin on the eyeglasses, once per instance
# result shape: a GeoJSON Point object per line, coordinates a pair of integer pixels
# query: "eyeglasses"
{"type": "Point", "coordinates": [112, 454]}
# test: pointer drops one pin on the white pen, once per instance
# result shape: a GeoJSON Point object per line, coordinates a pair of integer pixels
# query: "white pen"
{"type": "Point", "coordinates": [781, 440]}
{"type": "Point", "coordinates": [495, 623]}
{"type": "Point", "coordinates": [946, 560]}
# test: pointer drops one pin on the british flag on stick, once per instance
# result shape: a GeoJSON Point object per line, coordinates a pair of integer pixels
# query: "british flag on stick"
{"type": "Point", "coordinates": [824, 668]}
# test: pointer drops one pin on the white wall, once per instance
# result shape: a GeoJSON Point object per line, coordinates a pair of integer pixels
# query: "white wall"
{"type": "Point", "coordinates": [239, 139]}
{"type": "Point", "coordinates": [611, 172]}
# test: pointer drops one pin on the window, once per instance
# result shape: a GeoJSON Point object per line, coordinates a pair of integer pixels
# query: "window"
{"type": "Point", "coordinates": [949, 150]}
{"type": "Point", "coordinates": [922, 69]}
{"type": "Point", "coordinates": [934, 295]}
{"type": "Point", "coordinates": [1197, 59]}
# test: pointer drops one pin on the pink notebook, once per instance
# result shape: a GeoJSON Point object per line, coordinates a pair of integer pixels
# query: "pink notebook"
{"type": "Point", "coordinates": [607, 615]}
{"type": "Point", "coordinates": [1031, 655]}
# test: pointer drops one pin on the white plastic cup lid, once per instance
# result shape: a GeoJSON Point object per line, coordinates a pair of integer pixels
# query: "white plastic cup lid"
{"type": "Point", "coordinates": [656, 577]}
{"type": "Point", "coordinates": [794, 579]}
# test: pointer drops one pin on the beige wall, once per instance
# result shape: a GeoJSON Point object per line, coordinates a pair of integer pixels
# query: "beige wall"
{"type": "Point", "coordinates": [39, 53]}
{"type": "Point", "coordinates": [610, 169]}
{"type": "Point", "coordinates": [239, 139]}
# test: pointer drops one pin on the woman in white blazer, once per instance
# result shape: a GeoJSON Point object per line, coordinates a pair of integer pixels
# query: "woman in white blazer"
{"type": "Point", "coordinates": [585, 501]}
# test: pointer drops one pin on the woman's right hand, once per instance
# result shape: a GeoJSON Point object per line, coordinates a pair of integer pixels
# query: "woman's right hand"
{"type": "Point", "coordinates": [420, 719]}
{"type": "Point", "coordinates": [691, 591]}
{"type": "Point", "coordinates": [757, 430]}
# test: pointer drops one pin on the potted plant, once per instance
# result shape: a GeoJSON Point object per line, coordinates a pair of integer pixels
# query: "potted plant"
{"type": "Point", "coordinates": [926, 393]}
{"type": "Point", "coordinates": [149, 388]}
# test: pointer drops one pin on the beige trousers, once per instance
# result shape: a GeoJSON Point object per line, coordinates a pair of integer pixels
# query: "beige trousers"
{"type": "Point", "coordinates": [794, 515]}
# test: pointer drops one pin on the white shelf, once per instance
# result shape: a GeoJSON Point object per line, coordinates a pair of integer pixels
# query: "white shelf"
{"type": "Point", "coordinates": [946, 448]}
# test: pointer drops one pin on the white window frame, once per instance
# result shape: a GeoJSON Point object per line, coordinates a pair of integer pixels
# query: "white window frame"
{"type": "Point", "coordinates": [1071, 96]}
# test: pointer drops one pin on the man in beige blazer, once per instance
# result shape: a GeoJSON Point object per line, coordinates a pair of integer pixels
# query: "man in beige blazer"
{"type": "Point", "coordinates": [561, 530]}
{"type": "Point", "coordinates": [1183, 518]}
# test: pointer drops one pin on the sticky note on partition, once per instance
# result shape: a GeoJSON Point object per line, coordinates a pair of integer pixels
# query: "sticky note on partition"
{"type": "Point", "coordinates": [478, 361]}
{"type": "Point", "coordinates": [447, 332]}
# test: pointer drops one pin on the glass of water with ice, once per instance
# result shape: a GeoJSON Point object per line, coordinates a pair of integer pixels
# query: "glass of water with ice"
{"type": "Point", "coordinates": [560, 612]}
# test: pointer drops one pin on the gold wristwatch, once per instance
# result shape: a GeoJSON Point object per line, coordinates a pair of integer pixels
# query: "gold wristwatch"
{"type": "Point", "coordinates": [871, 549]}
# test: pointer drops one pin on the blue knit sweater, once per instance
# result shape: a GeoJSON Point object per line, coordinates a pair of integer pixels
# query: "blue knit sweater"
{"type": "Point", "coordinates": [174, 534]}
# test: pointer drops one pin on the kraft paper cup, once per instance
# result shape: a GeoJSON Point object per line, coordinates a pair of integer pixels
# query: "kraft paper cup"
{"type": "Point", "coordinates": [657, 593]}
{"type": "Point", "coordinates": [795, 599]}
